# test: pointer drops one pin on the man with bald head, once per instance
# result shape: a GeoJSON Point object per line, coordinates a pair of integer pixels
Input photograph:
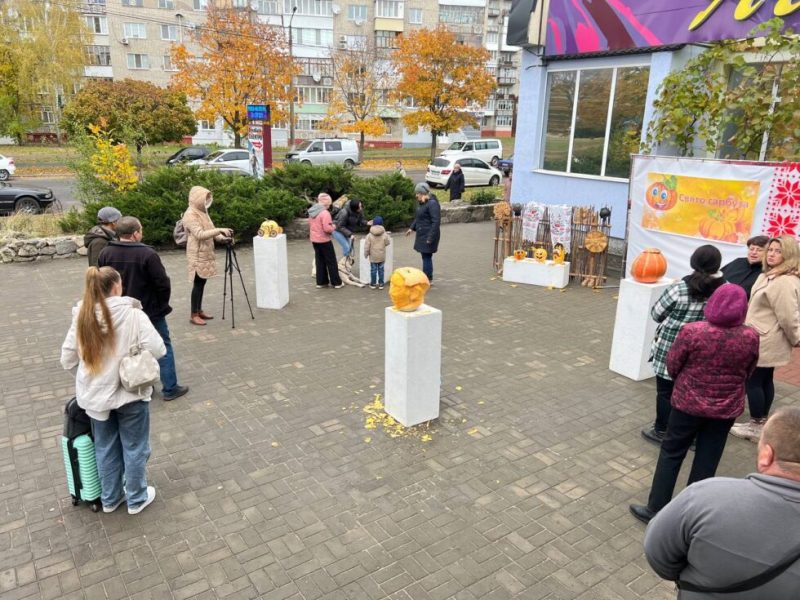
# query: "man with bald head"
{"type": "Point", "coordinates": [739, 534]}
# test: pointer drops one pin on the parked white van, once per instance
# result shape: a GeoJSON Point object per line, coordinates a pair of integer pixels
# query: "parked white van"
{"type": "Point", "coordinates": [489, 150]}
{"type": "Point", "coordinates": [325, 151]}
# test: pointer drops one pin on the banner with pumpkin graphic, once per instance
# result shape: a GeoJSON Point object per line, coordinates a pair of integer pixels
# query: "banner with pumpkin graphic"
{"type": "Point", "coordinates": [702, 207]}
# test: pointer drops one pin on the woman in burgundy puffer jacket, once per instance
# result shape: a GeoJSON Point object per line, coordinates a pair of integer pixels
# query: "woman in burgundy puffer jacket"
{"type": "Point", "coordinates": [709, 362]}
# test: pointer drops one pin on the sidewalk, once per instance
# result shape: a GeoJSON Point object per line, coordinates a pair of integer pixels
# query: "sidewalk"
{"type": "Point", "coordinates": [270, 485]}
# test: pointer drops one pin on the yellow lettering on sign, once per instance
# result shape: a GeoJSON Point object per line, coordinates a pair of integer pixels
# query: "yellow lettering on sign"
{"type": "Point", "coordinates": [703, 16]}
{"type": "Point", "coordinates": [746, 8]}
{"type": "Point", "coordinates": [786, 7]}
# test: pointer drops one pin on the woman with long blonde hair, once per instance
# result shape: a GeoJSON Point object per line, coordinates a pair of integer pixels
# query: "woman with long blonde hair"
{"type": "Point", "coordinates": [774, 312]}
{"type": "Point", "coordinates": [105, 324]}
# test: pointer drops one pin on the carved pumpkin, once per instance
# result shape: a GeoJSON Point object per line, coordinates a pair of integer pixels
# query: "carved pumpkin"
{"type": "Point", "coordinates": [270, 229]}
{"type": "Point", "coordinates": [520, 254]}
{"type": "Point", "coordinates": [719, 225]}
{"type": "Point", "coordinates": [540, 255]}
{"type": "Point", "coordinates": [407, 288]}
{"type": "Point", "coordinates": [559, 254]}
{"type": "Point", "coordinates": [649, 266]}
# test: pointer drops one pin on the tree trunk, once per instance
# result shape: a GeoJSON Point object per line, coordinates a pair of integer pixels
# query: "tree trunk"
{"type": "Point", "coordinates": [139, 170]}
{"type": "Point", "coordinates": [433, 144]}
{"type": "Point", "coordinates": [361, 148]}
{"type": "Point", "coordinates": [237, 139]}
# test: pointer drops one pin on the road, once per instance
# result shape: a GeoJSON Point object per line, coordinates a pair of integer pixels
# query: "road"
{"type": "Point", "coordinates": [64, 188]}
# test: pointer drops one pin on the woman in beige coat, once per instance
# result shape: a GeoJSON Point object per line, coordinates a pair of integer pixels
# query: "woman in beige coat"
{"type": "Point", "coordinates": [774, 312]}
{"type": "Point", "coordinates": [200, 247]}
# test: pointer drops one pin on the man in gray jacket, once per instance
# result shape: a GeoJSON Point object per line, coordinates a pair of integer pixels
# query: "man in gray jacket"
{"type": "Point", "coordinates": [721, 531]}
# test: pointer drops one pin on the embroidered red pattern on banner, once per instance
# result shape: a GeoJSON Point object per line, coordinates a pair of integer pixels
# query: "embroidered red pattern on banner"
{"type": "Point", "coordinates": [782, 213]}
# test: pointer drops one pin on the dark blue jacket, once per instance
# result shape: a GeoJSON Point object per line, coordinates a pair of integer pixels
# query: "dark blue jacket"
{"type": "Point", "coordinates": [426, 224]}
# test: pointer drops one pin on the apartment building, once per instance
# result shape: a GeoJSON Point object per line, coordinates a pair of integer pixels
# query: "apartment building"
{"type": "Point", "coordinates": [133, 38]}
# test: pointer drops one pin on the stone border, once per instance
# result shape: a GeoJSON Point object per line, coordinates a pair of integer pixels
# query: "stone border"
{"type": "Point", "coordinates": [34, 249]}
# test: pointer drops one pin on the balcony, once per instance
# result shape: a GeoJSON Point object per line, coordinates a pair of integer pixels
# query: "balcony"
{"type": "Point", "coordinates": [93, 8]}
{"type": "Point", "coordinates": [506, 80]}
{"type": "Point", "coordinates": [493, 12]}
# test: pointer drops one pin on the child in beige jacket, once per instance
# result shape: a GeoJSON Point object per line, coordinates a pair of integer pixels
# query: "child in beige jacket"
{"type": "Point", "coordinates": [375, 251]}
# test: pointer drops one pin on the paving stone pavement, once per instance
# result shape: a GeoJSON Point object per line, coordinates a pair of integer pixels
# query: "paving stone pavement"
{"type": "Point", "coordinates": [269, 485]}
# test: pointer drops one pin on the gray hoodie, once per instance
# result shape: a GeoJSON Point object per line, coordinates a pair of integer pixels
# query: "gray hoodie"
{"type": "Point", "coordinates": [721, 531]}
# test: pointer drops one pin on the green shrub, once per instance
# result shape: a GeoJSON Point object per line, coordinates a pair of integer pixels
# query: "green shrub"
{"type": "Point", "coordinates": [486, 196]}
{"type": "Point", "coordinates": [307, 181]}
{"type": "Point", "coordinates": [390, 195]}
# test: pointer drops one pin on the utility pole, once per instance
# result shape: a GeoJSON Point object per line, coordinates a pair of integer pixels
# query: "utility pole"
{"type": "Point", "coordinates": [291, 81]}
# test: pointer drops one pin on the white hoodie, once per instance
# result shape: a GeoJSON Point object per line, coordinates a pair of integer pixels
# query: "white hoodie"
{"type": "Point", "coordinates": [100, 393]}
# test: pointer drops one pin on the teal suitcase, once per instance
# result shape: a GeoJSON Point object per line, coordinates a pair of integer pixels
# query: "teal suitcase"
{"type": "Point", "coordinates": [80, 463]}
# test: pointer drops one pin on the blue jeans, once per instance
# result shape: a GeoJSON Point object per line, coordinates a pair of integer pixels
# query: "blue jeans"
{"type": "Point", "coordinates": [343, 241]}
{"type": "Point", "coordinates": [376, 273]}
{"type": "Point", "coordinates": [427, 264]}
{"type": "Point", "coordinates": [122, 447]}
{"type": "Point", "coordinates": [169, 378]}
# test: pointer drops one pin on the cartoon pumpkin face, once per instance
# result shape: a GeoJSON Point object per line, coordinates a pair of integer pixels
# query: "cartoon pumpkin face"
{"type": "Point", "coordinates": [540, 255]}
{"type": "Point", "coordinates": [663, 195]}
{"type": "Point", "coordinates": [407, 288]}
{"type": "Point", "coordinates": [559, 254]}
{"type": "Point", "coordinates": [270, 229]}
{"type": "Point", "coordinates": [519, 254]}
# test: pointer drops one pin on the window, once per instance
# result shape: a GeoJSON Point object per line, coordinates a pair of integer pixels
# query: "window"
{"type": "Point", "coordinates": [169, 4]}
{"type": "Point", "coordinates": [356, 41]}
{"type": "Point", "coordinates": [134, 31]}
{"type": "Point", "coordinates": [268, 7]}
{"type": "Point", "coordinates": [312, 37]}
{"type": "Point", "coordinates": [199, 4]}
{"type": "Point", "coordinates": [315, 66]}
{"type": "Point", "coordinates": [491, 37]}
{"type": "Point", "coordinates": [98, 55]}
{"type": "Point", "coordinates": [167, 63]}
{"type": "Point", "coordinates": [356, 12]}
{"type": "Point", "coordinates": [389, 9]}
{"type": "Point", "coordinates": [47, 115]}
{"type": "Point", "coordinates": [138, 3]}
{"type": "Point", "coordinates": [460, 15]}
{"type": "Point", "coordinates": [317, 8]}
{"type": "Point", "coordinates": [138, 61]}
{"type": "Point", "coordinates": [314, 95]}
{"type": "Point", "coordinates": [98, 25]}
{"type": "Point", "coordinates": [169, 32]}
{"type": "Point", "coordinates": [415, 16]}
{"type": "Point", "coordinates": [503, 121]}
{"type": "Point", "coordinates": [205, 125]}
{"type": "Point", "coordinates": [333, 146]}
{"type": "Point", "coordinates": [386, 39]}
{"type": "Point", "coordinates": [594, 120]}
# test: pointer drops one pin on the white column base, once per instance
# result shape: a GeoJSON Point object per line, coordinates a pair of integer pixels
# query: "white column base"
{"type": "Point", "coordinates": [272, 271]}
{"type": "Point", "coordinates": [634, 329]}
{"type": "Point", "coordinates": [413, 364]}
{"type": "Point", "coordinates": [532, 272]}
{"type": "Point", "coordinates": [363, 263]}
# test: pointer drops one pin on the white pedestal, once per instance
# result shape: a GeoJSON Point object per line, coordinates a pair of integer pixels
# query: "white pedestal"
{"type": "Point", "coordinates": [272, 271]}
{"type": "Point", "coordinates": [634, 329]}
{"type": "Point", "coordinates": [413, 364]}
{"type": "Point", "coordinates": [363, 263]}
{"type": "Point", "coordinates": [532, 272]}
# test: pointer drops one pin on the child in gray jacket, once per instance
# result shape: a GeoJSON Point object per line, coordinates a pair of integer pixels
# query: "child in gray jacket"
{"type": "Point", "coordinates": [375, 251]}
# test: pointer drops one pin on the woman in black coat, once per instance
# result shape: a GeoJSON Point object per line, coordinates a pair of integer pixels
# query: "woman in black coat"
{"type": "Point", "coordinates": [426, 224]}
{"type": "Point", "coordinates": [744, 271]}
{"type": "Point", "coordinates": [456, 183]}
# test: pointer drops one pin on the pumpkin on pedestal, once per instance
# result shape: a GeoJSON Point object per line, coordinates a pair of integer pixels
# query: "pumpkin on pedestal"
{"type": "Point", "coordinates": [407, 288]}
{"type": "Point", "coordinates": [520, 254]}
{"type": "Point", "coordinates": [649, 266]}
{"type": "Point", "coordinates": [540, 255]}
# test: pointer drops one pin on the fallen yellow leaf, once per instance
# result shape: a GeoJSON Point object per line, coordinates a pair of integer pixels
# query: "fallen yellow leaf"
{"type": "Point", "coordinates": [275, 444]}
{"type": "Point", "coordinates": [367, 440]}
{"type": "Point", "coordinates": [458, 388]}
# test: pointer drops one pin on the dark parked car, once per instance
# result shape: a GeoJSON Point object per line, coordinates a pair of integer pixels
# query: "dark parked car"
{"type": "Point", "coordinates": [24, 199]}
{"type": "Point", "coordinates": [506, 165]}
{"type": "Point", "coordinates": [186, 154]}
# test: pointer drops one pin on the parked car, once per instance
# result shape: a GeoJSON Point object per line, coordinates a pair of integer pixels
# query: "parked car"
{"type": "Point", "coordinates": [489, 150]}
{"type": "Point", "coordinates": [322, 151]}
{"type": "Point", "coordinates": [476, 171]}
{"type": "Point", "coordinates": [506, 165]}
{"type": "Point", "coordinates": [186, 154]}
{"type": "Point", "coordinates": [226, 168]}
{"type": "Point", "coordinates": [7, 167]}
{"type": "Point", "coordinates": [232, 157]}
{"type": "Point", "coordinates": [17, 198]}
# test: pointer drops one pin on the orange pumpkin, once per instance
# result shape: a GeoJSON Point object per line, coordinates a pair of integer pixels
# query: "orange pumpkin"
{"type": "Point", "coordinates": [520, 254]}
{"type": "Point", "coordinates": [649, 266]}
{"type": "Point", "coordinates": [718, 225]}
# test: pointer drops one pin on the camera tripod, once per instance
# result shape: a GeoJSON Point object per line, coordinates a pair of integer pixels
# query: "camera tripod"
{"type": "Point", "coordinates": [231, 264]}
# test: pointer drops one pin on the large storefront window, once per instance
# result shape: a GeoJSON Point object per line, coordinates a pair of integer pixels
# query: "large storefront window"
{"type": "Point", "coordinates": [594, 120]}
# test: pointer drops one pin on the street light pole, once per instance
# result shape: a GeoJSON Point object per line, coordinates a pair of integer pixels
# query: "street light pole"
{"type": "Point", "coordinates": [291, 81]}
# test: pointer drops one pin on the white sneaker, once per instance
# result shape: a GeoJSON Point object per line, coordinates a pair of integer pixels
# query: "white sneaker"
{"type": "Point", "coordinates": [151, 495]}
{"type": "Point", "coordinates": [747, 431]}
{"type": "Point", "coordinates": [113, 507]}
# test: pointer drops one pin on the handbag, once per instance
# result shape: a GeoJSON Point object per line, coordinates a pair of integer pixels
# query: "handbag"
{"type": "Point", "coordinates": [140, 368]}
{"type": "Point", "coordinates": [748, 584]}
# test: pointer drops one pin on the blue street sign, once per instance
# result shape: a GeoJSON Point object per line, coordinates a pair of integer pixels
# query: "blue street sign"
{"type": "Point", "coordinates": [258, 112]}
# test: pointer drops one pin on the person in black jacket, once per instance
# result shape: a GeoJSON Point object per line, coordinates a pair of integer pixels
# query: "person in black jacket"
{"type": "Point", "coordinates": [102, 233]}
{"type": "Point", "coordinates": [349, 218]}
{"type": "Point", "coordinates": [744, 271]}
{"type": "Point", "coordinates": [456, 184]}
{"type": "Point", "coordinates": [144, 278]}
{"type": "Point", "coordinates": [426, 224]}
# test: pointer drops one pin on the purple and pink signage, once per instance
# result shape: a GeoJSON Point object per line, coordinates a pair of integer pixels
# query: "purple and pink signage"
{"type": "Point", "coordinates": [583, 26]}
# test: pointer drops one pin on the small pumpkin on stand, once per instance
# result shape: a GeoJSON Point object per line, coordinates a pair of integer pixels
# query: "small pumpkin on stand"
{"type": "Point", "coordinates": [540, 255]}
{"type": "Point", "coordinates": [520, 254]}
{"type": "Point", "coordinates": [559, 254]}
{"type": "Point", "coordinates": [649, 266]}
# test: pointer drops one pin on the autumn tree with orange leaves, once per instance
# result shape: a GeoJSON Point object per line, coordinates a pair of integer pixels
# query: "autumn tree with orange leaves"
{"type": "Point", "coordinates": [238, 61]}
{"type": "Point", "coordinates": [360, 76]}
{"type": "Point", "coordinates": [444, 78]}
